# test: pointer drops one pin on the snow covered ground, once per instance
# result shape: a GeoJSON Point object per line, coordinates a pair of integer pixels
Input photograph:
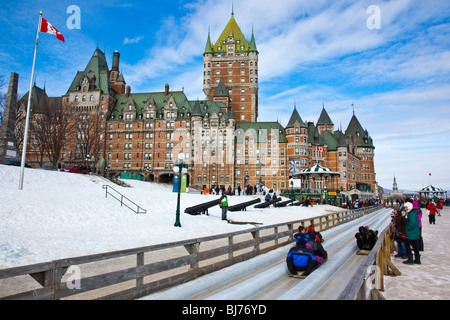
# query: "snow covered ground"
{"type": "Point", "coordinates": [59, 215]}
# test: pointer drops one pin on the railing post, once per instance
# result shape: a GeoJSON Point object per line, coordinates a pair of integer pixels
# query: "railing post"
{"type": "Point", "coordinates": [139, 263]}
{"type": "Point", "coordinates": [230, 248]}
{"type": "Point", "coordinates": [193, 249]}
{"type": "Point", "coordinates": [52, 279]}
{"type": "Point", "coordinates": [276, 232]}
{"type": "Point", "coordinates": [255, 235]}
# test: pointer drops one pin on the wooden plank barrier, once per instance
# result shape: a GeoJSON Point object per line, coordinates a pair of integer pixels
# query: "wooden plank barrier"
{"type": "Point", "coordinates": [368, 281]}
{"type": "Point", "coordinates": [133, 273]}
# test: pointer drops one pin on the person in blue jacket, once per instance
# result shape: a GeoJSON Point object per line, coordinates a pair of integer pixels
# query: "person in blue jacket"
{"type": "Point", "coordinates": [301, 259]}
{"type": "Point", "coordinates": [301, 237]}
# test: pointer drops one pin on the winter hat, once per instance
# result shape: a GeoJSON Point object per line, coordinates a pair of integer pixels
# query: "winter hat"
{"type": "Point", "coordinates": [408, 206]}
{"type": "Point", "coordinates": [310, 229]}
{"type": "Point", "coordinates": [415, 204]}
{"type": "Point", "coordinates": [396, 208]}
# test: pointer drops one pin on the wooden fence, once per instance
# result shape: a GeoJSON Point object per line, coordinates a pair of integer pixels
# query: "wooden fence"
{"type": "Point", "coordinates": [133, 273]}
{"type": "Point", "coordinates": [368, 281]}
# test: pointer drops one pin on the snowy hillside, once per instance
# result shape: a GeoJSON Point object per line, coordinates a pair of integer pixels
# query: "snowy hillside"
{"type": "Point", "coordinates": [59, 215]}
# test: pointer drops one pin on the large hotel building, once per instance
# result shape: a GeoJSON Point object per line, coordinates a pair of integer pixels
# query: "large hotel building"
{"type": "Point", "coordinates": [114, 130]}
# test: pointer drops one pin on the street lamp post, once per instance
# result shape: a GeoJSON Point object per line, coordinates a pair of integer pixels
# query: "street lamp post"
{"type": "Point", "coordinates": [180, 168]}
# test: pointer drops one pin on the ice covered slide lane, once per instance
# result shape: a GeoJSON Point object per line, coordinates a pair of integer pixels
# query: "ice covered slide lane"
{"type": "Point", "coordinates": [249, 288]}
{"type": "Point", "coordinates": [319, 277]}
{"type": "Point", "coordinates": [225, 283]}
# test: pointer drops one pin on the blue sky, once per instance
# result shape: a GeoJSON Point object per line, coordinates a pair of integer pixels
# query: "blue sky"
{"type": "Point", "coordinates": [313, 53]}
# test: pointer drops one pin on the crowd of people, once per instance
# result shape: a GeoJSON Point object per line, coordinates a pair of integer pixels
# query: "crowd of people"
{"type": "Point", "coordinates": [407, 221]}
{"type": "Point", "coordinates": [248, 190]}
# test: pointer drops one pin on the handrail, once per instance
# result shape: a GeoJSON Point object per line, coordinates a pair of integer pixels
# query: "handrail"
{"type": "Point", "coordinates": [138, 209]}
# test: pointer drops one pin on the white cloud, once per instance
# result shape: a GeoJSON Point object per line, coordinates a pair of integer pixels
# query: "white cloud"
{"type": "Point", "coordinates": [132, 40]}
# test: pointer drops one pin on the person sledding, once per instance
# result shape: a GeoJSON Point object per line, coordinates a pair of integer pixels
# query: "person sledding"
{"type": "Point", "coordinates": [301, 259]}
{"type": "Point", "coordinates": [313, 234]}
{"type": "Point", "coordinates": [366, 239]}
{"type": "Point", "coordinates": [301, 238]}
{"type": "Point", "coordinates": [311, 240]}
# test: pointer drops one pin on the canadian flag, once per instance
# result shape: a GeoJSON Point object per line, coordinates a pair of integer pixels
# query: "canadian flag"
{"type": "Point", "coordinates": [319, 149]}
{"type": "Point", "coordinates": [48, 28]}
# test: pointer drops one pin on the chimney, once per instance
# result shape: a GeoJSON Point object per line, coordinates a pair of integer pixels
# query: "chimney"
{"type": "Point", "coordinates": [167, 89]}
{"type": "Point", "coordinates": [128, 91]}
{"type": "Point", "coordinates": [7, 140]}
{"type": "Point", "coordinates": [115, 65]}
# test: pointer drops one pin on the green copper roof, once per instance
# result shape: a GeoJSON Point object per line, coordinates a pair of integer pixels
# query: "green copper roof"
{"type": "Point", "coordinates": [330, 140]}
{"type": "Point", "coordinates": [294, 118]}
{"type": "Point", "coordinates": [313, 135]}
{"type": "Point", "coordinates": [221, 90]}
{"type": "Point", "coordinates": [360, 135]}
{"type": "Point", "coordinates": [208, 48]}
{"type": "Point", "coordinates": [324, 118]}
{"type": "Point", "coordinates": [196, 110]}
{"type": "Point", "coordinates": [252, 44]}
{"type": "Point", "coordinates": [159, 100]}
{"type": "Point", "coordinates": [97, 72]}
{"type": "Point", "coordinates": [240, 42]}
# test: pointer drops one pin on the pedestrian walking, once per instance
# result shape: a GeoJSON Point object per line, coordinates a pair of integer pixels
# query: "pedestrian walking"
{"type": "Point", "coordinates": [432, 210]}
{"type": "Point", "coordinates": [439, 206]}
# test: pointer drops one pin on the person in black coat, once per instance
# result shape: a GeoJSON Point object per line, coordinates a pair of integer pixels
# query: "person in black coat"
{"type": "Point", "coordinates": [366, 238]}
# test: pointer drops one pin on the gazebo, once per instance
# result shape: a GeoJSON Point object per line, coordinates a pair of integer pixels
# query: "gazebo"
{"type": "Point", "coordinates": [317, 172]}
{"type": "Point", "coordinates": [432, 191]}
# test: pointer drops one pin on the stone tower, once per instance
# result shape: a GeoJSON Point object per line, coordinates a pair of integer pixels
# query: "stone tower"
{"type": "Point", "coordinates": [230, 72]}
{"type": "Point", "coordinates": [8, 150]}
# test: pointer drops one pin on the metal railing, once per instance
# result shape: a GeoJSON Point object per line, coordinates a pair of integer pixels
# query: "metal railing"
{"type": "Point", "coordinates": [124, 201]}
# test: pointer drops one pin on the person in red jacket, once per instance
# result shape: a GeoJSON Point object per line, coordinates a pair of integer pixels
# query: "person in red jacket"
{"type": "Point", "coordinates": [439, 206]}
{"type": "Point", "coordinates": [432, 212]}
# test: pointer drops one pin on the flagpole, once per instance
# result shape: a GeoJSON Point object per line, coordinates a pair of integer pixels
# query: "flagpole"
{"type": "Point", "coordinates": [27, 123]}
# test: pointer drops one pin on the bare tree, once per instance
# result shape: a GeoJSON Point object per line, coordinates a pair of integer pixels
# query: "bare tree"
{"type": "Point", "coordinates": [51, 129]}
{"type": "Point", "coordinates": [88, 129]}
{"type": "Point", "coordinates": [59, 127]}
